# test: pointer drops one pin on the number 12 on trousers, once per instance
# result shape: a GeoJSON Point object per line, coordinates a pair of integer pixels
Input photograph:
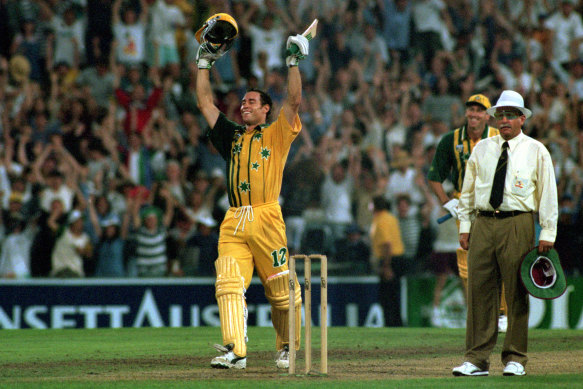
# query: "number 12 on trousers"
{"type": "Point", "coordinates": [279, 258]}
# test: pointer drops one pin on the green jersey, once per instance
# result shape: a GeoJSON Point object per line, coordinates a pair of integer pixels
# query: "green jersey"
{"type": "Point", "coordinates": [451, 155]}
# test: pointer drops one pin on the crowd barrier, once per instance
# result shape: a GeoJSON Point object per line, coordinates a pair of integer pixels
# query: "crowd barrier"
{"type": "Point", "coordinates": [190, 302]}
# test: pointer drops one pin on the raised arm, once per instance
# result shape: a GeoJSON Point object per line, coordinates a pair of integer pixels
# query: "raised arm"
{"type": "Point", "coordinates": [204, 96]}
{"type": "Point", "coordinates": [243, 21]}
{"type": "Point", "coordinates": [206, 56]}
{"type": "Point", "coordinates": [297, 49]}
{"type": "Point", "coordinates": [145, 8]}
{"type": "Point", "coordinates": [45, 9]}
{"type": "Point", "coordinates": [38, 163]}
{"type": "Point", "coordinates": [115, 17]}
{"type": "Point", "coordinates": [291, 104]}
{"type": "Point", "coordinates": [284, 16]}
{"type": "Point", "coordinates": [169, 210]}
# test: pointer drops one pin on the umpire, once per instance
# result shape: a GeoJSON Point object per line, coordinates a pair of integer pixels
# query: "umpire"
{"type": "Point", "coordinates": [508, 178]}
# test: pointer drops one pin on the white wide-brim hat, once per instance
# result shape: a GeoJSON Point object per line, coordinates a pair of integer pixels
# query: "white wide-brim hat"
{"type": "Point", "coordinates": [510, 98]}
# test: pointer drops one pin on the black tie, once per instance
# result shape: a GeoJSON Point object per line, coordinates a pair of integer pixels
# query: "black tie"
{"type": "Point", "coordinates": [499, 178]}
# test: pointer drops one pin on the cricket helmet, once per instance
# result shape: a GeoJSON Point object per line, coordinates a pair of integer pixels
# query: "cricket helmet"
{"type": "Point", "coordinates": [218, 29]}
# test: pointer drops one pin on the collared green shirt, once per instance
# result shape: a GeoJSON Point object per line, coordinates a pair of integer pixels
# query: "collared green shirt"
{"type": "Point", "coordinates": [452, 154]}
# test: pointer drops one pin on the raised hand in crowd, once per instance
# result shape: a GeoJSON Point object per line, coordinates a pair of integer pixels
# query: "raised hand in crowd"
{"type": "Point", "coordinates": [170, 203]}
{"type": "Point", "coordinates": [57, 211]}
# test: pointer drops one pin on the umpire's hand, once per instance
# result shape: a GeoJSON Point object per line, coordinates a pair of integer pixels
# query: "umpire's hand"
{"type": "Point", "coordinates": [465, 240]}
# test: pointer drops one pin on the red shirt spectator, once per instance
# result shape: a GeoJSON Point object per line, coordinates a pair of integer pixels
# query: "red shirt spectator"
{"type": "Point", "coordinates": [138, 108]}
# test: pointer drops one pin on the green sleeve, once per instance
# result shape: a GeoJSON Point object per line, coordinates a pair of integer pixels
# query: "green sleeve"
{"type": "Point", "coordinates": [221, 135]}
{"type": "Point", "coordinates": [442, 160]}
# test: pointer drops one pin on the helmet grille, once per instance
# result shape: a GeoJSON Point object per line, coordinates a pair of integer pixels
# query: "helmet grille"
{"type": "Point", "coordinates": [220, 32]}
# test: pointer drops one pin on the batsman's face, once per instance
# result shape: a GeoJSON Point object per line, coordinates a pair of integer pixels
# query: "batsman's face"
{"type": "Point", "coordinates": [476, 116]}
{"type": "Point", "coordinates": [252, 111]}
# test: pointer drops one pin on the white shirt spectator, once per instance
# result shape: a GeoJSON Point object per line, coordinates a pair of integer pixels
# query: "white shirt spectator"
{"type": "Point", "coordinates": [523, 81]}
{"type": "Point", "coordinates": [426, 14]}
{"type": "Point", "coordinates": [131, 42]}
{"type": "Point", "coordinates": [65, 255]}
{"type": "Point", "coordinates": [64, 35]}
{"type": "Point", "coordinates": [337, 199]}
{"type": "Point", "coordinates": [64, 193]}
{"type": "Point", "coordinates": [164, 20]}
{"type": "Point", "coordinates": [15, 257]}
{"type": "Point", "coordinates": [403, 182]}
{"type": "Point", "coordinates": [427, 18]}
{"type": "Point", "coordinates": [395, 136]}
{"type": "Point", "coordinates": [521, 15]}
{"type": "Point", "coordinates": [566, 29]}
{"type": "Point", "coordinates": [269, 41]}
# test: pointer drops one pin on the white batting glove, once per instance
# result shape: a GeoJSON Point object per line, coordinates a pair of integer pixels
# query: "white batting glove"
{"type": "Point", "coordinates": [451, 207]}
{"type": "Point", "coordinates": [297, 48]}
{"type": "Point", "coordinates": [208, 53]}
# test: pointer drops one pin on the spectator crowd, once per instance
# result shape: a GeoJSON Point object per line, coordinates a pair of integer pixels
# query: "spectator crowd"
{"type": "Point", "coordinates": [106, 170]}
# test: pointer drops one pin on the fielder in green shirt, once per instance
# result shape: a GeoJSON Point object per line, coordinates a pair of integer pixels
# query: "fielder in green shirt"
{"type": "Point", "coordinates": [449, 162]}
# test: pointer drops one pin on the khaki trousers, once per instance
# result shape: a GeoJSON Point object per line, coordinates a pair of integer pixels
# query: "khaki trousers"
{"type": "Point", "coordinates": [494, 256]}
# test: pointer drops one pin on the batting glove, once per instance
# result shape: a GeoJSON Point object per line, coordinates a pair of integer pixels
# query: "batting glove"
{"type": "Point", "coordinates": [208, 53]}
{"type": "Point", "coordinates": [297, 49]}
{"type": "Point", "coordinates": [451, 207]}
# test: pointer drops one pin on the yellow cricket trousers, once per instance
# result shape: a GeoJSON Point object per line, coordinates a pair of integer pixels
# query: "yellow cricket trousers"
{"type": "Point", "coordinates": [255, 237]}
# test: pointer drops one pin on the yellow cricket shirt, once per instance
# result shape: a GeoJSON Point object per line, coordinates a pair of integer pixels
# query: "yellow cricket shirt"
{"type": "Point", "coordinates": [385, 229]}
{"type": "Point", "coordinates": [255, 159]}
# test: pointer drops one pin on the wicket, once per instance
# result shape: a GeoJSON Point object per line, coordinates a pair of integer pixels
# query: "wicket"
{"type": "Point", "coordinates": [308, 311]}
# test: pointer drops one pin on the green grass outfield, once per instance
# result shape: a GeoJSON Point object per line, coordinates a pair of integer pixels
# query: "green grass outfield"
{"type": "Point", "coordinates": [358, 358]}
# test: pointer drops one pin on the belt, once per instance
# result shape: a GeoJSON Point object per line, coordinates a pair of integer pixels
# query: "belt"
{"type": "Point", "coordinates": [500, 214]}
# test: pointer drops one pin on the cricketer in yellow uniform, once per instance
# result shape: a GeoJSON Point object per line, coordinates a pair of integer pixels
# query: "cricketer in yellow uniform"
{"type": "Point", "coordinates": [253, 231]}
{"type": "Point", "coordinates": [252, 234]}
{"type": "Point", "coordinates": [452, 153]}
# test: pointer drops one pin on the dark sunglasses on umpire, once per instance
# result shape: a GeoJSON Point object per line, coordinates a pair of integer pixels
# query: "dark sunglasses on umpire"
{"type": "Point", "coordinates": [508, 115]}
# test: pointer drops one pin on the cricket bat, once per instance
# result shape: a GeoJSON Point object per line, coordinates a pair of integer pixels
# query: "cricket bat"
{"type": "Point", "coordinates": [311, 31]}
{"type": "Point", "coordinates": [309, 34]}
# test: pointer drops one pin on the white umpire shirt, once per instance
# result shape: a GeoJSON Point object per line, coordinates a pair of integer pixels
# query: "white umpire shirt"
{"type": "Point", "coordinates": [530, 184]}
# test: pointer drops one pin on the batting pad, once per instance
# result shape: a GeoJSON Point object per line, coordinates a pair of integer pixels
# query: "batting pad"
{"type": "Point", "coordinates": [277, 292]}
{"type": "Point", "coordinates": [462, 263]}
{"type": "Point", "coordinates": [230, 294]}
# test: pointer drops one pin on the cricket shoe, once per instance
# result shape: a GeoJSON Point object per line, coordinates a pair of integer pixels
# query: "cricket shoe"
{"type": "Point", "coordinates": [282, 358]}
{"type": "Point", "coordinates": [228, 360]}
{"type": "Point", "coordinates": [468, 369]}
{"type": "Point", "coordinates": [513, 368]}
